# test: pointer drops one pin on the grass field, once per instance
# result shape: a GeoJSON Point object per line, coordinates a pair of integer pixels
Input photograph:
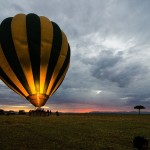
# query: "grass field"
{"type": "Point", "coordinates": [72, 132]}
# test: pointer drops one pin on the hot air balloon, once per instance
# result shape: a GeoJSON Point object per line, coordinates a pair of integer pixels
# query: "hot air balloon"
{"type": "Point", "coordinates": [34, 56]}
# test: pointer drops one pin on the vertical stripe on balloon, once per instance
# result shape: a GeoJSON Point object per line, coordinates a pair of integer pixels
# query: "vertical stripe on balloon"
{"type": "Point", "coordinates": [18, 26]}
{"type": "Point", "coordinates": [34, 44]}
{"type": "Point", "coordinates": [55, 51]}
{"type": "Point", "coordinates": [10, 53]}
{"type": "Point", "coordinates": [46, 45]}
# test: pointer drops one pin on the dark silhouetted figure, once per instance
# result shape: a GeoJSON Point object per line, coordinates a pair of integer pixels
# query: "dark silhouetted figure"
{"type": "Point", "coordinates": [140, 143]}
{"type": "Point", "coordinates": [139, 107]}
{"type": "Point", "coordinates": [47, 112]}
{"type": "Point", "coordinates": [30, 112]}
{"type": "Point", "coordinates": [57, 113]}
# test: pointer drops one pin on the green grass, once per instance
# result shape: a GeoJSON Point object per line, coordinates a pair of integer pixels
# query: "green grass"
{"type": "Point", "coordinates": [72, 132]}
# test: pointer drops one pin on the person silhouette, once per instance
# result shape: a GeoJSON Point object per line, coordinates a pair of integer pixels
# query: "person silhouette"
{"type": "Point", "coordinates": [57, 113]}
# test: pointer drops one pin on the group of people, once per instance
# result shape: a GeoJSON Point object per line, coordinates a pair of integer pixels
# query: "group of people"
{"type": "Point", "coordinates": [41, 112]}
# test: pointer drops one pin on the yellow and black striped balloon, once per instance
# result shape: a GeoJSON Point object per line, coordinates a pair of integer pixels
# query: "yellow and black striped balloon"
{"type": "Point", "coordinates": [34, 56]}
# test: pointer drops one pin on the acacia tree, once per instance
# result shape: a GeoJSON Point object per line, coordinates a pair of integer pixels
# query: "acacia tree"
{"type": "Point", "coordinates": [139, 107]}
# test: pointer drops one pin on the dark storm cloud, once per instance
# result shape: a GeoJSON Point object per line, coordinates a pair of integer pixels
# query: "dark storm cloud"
{"type": "Point", "coordinates": [139, 100]}
{"type": "Point", "coordinates": [112, 67]}
{"type": "Point", "coordinates": [8, 97]}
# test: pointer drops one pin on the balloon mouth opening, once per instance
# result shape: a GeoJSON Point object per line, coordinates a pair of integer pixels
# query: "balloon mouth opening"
{"type": "Point", "coordinates": [38, 100]}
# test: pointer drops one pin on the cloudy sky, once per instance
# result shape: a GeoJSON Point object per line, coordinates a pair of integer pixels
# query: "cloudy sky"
{"type": "Point", "coordinates": [110, 54]}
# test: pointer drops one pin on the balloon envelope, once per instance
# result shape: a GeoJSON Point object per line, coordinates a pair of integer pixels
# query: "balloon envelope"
{"type": "Point", "coordinates": [34, 56]}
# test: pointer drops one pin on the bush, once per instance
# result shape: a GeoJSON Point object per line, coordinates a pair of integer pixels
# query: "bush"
{"type": "Point", "coordinates": [141, 143]}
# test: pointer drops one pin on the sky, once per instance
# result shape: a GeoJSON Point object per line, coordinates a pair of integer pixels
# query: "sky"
{"type": "Point", "coordinates": [110, 54]}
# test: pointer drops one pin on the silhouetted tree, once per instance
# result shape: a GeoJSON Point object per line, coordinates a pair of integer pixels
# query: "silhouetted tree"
{"type": "Point", "coordinates": [139, 107]}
